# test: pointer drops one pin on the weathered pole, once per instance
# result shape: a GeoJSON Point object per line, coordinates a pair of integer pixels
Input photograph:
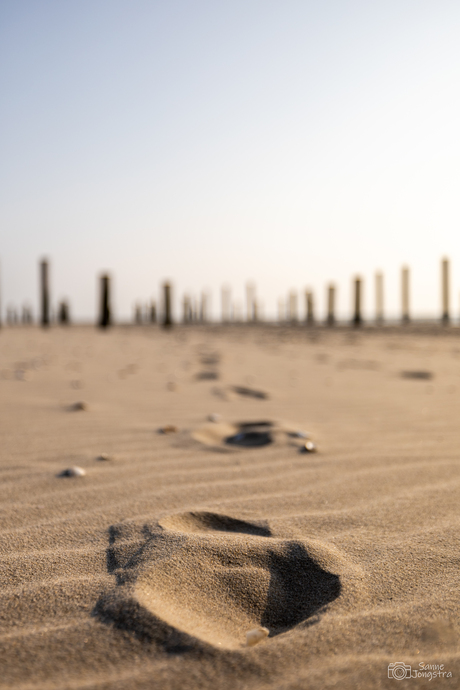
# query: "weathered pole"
{"type": "Point", "coordinates": [250, 299]}
{"type": "Point", "coordinates": [186, 309]}
{"type": "Point", "coordinates": [379, 297]}
{"type": "Point", "coordinates": [357, 318]}
{"type": "Point", "coordinates": [310, 316]}
{"type": "Point", "coordinates": [330, 305]}
{"type": "Point", "coordinates": [281, 310]}
{"type": "Point", "coordinates": [405, 294]}
{"type": "Point", "coordinates": [105, 316]}
{"type": "Point", "coordinates": [445, 291]}
{"type": "Point", "coordinates": [63, 313]}
{"type": "Point", "coordinates": [138, 314]}
{"type": "Point", "coordinates": [292, 302]}
{"type": "Point", "coordinates": [225, 303]}
{"type": "Point", "coordinates": [204, 308]}
{"type": "Point", "coordinates": [153, 312]}
{"type": "Point", "coordinates": [44, 293]}
{"type": "Point", "coordinates": [167, 320]}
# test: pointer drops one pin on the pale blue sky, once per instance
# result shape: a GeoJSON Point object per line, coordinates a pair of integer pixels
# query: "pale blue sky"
{"type": "Point", "coordinates": [290, 143]}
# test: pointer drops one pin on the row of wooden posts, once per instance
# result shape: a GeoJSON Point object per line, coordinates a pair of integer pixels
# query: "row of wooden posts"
{"type": "Point", "coordinates": [191, 312]}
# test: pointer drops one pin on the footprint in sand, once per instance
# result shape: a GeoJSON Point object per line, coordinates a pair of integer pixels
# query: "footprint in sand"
{"type": "Point", "coordinates": [252, 434]}
{"type": "Point", "coordinates": [200, 579]}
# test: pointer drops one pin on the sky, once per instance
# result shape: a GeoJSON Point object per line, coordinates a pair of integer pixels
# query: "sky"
{"type": "Point", "coordinates": [290, 143]}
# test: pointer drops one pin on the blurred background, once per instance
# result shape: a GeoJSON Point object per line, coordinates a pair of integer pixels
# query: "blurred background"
{"type": "Point", "coordinates": [287, 143]}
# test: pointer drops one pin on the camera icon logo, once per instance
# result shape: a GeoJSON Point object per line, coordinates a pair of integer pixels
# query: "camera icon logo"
{"type": "Point", "coordinates": [399, 670]}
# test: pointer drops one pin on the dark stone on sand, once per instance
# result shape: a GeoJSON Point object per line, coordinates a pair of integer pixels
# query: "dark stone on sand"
{"type": "Point", "coordinates": [79, 406]}
{"type": "Point", "coordinates": [250, 392]}
{"type": "Point", "coordinates": [168, 429]}
{"type": "Point", "coordinates": [422, 375]}
{"type": "Point", "coordinates": [207, 376]}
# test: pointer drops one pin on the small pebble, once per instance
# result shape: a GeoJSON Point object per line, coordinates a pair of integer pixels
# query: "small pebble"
{"type": "Point", "coordinates": [104, 457]}
{"type": "Point", "coordinates": [79, 406]}
{"type": "Point", "coordinates": [308, 447]}
{"type": "Point", "coordinates": [168, 429]}
{"type": "Point", "coordinates": [214, 417]}
{"type": "Point", "coordinates": [255, 636]}
{"type": "Point", "coordinates": [207, 375]}
{"type": "Point", "coordinates": [73, 472]}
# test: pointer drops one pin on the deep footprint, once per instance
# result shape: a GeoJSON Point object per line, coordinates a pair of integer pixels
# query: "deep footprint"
{"type": "Point", "coordinates": [208, 579]}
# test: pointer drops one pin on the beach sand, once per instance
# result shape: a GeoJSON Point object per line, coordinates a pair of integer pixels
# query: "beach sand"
{"type": "Point", "coordinates": [149, 570]}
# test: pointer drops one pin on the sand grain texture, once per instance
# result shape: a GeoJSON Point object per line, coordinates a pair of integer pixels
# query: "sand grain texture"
{"type": "Point", "coordinates": [149, 571]}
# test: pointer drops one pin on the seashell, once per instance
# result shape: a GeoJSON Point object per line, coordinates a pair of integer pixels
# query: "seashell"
{"type": "Point", "coordinates": [308, 447]}
{"type": "Point", "coordinates": [73, 472]}
{"type": "Point", "coordinates": [298, 434]}
{"type": "Point", "coordinates": [168, 429]}
{"type": "Point", "coordinates": [255, 636]}
{"type": "Point", "coordinates": [214, 417]}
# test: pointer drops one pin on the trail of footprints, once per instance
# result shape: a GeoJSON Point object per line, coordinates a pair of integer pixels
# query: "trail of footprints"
{"type": "Point", "coordinates": [206, 579]}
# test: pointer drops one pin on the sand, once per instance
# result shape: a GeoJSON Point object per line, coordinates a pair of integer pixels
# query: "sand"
{"type": "Point", "coordinates": [149, 569]}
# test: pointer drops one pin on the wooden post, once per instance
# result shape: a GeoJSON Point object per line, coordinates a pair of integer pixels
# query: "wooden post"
{"type": "Point", "coordinates": [293, 306]}
{"type": "Point", "coordinates": [330, 305]}
{"type": "Point", "coordinates": [379, 297]}
{"type": "Point", "coordinates": [153, 312]}
{"type": "Point", "coordinates": [26, 314]}
{"type": "Point", "coordinates": [44, 293]}
{"type": "Point", "coordinates": [203, 308]}
{"type": "Point", "coordinates": [225, 303]}
{"type": "Point", "coordinates": [185, 309]}
{"type": "Point", "coordinates": [445, 291]}
{"type": "Point", "coordinates": [167, 321]}
{"type": "Point", "coordinates": [309, 307]}
{"type": "Point", "coordinates": [250, 298]}
{"type": "Point", "coordinates": [11, 316]}
{"type": "Point", "coordinates": [405, 294]}
{"type": "Point", "coordinates": [281, 310]}
{"type": "Point", "coordinates": [105, 317]}
{"type": "Point", "coordinates": [63, 313]}
{"type": "Point", "coordinates": [238, 312]}
{"type": "Point", "coordinates": [138, 314]}
{"type": "Point", "coordinates": [357, 318]}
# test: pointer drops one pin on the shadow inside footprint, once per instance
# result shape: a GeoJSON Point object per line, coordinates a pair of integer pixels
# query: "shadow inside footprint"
{"type": "Point", "coordinates": [251, 435]}
{"type": "Point", "coordinates": [200, 579]}
{"type": "Point", "coordinates": [202, 521]}
{"type": "Point", "coordinates": [250, 439]}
